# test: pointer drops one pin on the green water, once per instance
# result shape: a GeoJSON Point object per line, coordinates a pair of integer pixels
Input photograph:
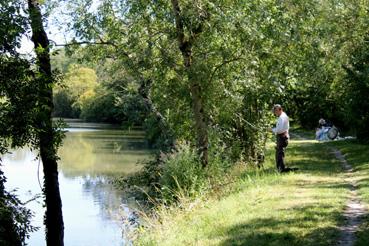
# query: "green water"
{"type": "Point", "coordinates": [93, 209]}
{"type": "Point", "coordinates": [102, 152]}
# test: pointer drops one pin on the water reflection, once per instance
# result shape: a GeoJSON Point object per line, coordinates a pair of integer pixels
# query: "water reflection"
{"type": "Point", "coordinates": [104, 152]}
{"type": "Point", "coordinates": [90, 203]}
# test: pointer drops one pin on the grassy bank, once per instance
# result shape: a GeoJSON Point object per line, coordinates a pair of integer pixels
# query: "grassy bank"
{"type": "Point", "coordinates": [263, 207]}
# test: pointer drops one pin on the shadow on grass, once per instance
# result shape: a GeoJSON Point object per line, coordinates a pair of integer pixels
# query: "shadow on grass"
{"type": "Point", "coordinates": [271, 231]}
{"type": "Point", "coordinates": [313, 158]}
{"type": "Point", "coordinates": [298, 132]}
{"type": "Point", "coordinates": [308, 157]}
{"type": "Point", "coordinates": [363, 232]}
{"type": "Point", "coordinates": [323, 185]}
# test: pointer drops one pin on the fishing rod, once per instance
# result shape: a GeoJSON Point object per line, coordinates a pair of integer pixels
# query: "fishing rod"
{"type": "Point", "coordinates": [252, 125]}
{"type": "Point", "coordinates": [264, 136]}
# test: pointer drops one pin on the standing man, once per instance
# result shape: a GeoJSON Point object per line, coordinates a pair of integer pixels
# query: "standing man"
{"type": "Point", "coordinates": [281, 132]}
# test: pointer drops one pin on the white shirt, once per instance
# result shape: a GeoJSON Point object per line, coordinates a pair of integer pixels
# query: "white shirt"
{"type": "Point", "coordinates": [282, 125]}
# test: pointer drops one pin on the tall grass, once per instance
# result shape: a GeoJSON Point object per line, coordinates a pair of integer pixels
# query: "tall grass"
{"type": "Point", "coordinates": [182, 175]}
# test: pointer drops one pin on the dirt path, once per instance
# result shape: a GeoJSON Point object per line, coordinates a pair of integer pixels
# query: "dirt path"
{"type": "Point", "coordinates": [354, 209]}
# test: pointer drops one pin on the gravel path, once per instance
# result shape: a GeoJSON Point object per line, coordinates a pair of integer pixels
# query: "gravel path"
{"type": "Point", "coordinates": [354, 209]}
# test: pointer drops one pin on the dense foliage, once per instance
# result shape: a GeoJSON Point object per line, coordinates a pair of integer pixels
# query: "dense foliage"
{"type": "Point", "coordinates": [357, 89]}
{"type": "Point", "coordinates": [247, 55]}
{"type": "Point", "coordinates": [82, 94]}
{"type": "Point", "coordinates": [16, 110]}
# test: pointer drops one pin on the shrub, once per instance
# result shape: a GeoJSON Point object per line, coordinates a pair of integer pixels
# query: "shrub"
{"type": "Point", "coordinates": [177, 174]}
{"type": "Point", "coordinates": [15, 218]}
{"type": "Point", "coordinates": [182, 174]}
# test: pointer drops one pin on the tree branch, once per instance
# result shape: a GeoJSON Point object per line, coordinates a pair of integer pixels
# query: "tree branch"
{"type": "Point", "coordinates": [221, 65]}
{"type": "Point", "coordinates": [84, 42]}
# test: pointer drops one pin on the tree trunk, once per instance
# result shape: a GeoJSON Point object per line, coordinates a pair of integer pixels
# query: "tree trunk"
{"type": "Point", "coordinates": [200, 122]}
{"type": "Point", "coordinates": [53, 216]}
{"type": "Point", "coordinates": [185, 46]}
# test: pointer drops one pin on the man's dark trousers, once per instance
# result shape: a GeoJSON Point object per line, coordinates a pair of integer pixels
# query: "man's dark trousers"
{"type": "Point", "coordinates": [282, 142]}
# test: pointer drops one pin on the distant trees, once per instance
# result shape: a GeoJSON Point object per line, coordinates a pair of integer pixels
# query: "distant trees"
{"type": "Point", "coordinates": [82, 92]}
{"type": "Point", "coordinates": [325, 47]}
{"type": "Point", "coordinates": [78, 85]}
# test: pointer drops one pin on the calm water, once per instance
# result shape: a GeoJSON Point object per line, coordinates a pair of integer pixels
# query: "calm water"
{"type": "Point", "coordinates": [92, 207]}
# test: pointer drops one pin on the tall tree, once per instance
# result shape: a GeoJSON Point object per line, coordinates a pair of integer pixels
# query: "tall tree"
{"type": "Point", "coordinates": [185, 44]}
{"type": "Point", "coordinates": [48, 140]}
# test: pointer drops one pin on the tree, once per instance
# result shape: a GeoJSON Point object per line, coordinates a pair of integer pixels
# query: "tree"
{"type": "Point", "coordinates": [48, 139]}
{"type": "Point", "coordinates": [194, 55]}
{"type": "Point", "coordinates": [324, 42]}
{"type": "Point", "coordinates": [186, 35]}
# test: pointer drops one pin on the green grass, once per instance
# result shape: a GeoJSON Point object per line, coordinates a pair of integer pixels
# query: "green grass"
{"type": "Point", "coordinates": [263, 207]}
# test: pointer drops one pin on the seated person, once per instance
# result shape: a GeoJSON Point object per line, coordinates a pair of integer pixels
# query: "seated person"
{"type": "Point", "coordinates": [322, 129]}
{"type": "Point", "coordinates": [324, 123]}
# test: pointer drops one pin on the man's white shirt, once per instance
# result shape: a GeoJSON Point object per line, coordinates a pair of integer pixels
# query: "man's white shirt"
{"type": "Point", "coordinates": [282, 125]}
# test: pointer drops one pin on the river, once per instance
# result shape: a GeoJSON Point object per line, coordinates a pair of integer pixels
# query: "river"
{"type": "Point", "coordinates": [92, 207]}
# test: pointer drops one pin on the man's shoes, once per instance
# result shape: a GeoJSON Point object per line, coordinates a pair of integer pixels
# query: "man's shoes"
{"type": "Point", "coordinates": [289, 169]}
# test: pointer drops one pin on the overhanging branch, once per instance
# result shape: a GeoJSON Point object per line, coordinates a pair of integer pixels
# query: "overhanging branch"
{"type": "Point", "coordinates": [83, 42]}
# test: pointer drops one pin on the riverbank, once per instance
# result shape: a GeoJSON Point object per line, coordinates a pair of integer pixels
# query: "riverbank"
{"type": "Point", "coordinates": [266, 208]}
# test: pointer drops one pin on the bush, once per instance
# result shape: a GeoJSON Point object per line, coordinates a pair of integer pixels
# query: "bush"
{"type": "Point", "coordinates": [15, 218]}
{"type": "Point", "coordinates": [182, 174]}
{"type": "Point", "coordinates": [176, 175]}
